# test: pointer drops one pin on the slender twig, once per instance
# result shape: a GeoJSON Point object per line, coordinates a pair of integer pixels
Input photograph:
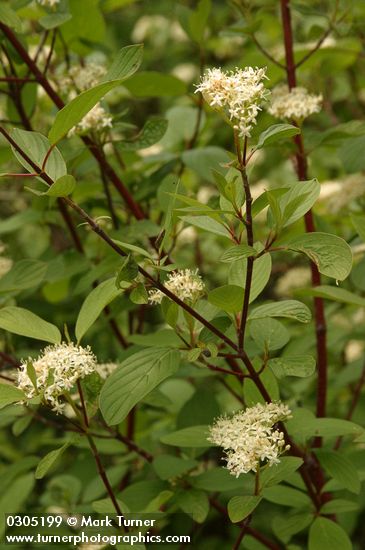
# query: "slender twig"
{"type": "Point", "coordinates": [220, 369]}
{"type": "Point", "coordinates": [232, 391]}
{"type": "Point", "coordinates": [242, 533]}
{"type": "Point", "coordinates": [102, 474]}
{"type": "Point", "coordinates": [265, 52]}
{"type": "Point", "coordinates": [320, 41]}
{"type": "Point", "coordinates": [17, 79]}
{"type": "Point", "coordinates": [132, 446]}
{"type": "Point", "coordinates": [83, 405]}
{"type": "Point", "coordinates": [9, 359]}
{"type": "Point", "coordinates": [51, 49]}
{"type": "Point", "coordinates": [241, 159]}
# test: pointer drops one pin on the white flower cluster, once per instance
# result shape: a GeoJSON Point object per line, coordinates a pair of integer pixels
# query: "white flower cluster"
{"type": "Point", "coordinates": [237, 94]}
{"type": "Point", "coordinates": [48, 3]}
{"type": "Point", "coordinates": [295, 104]}
{"type": "Point", "coordinates": [5, 265]}
{"type": "Point", "coordinates": [250, 437]}
{"type": "Point", "coordinates": [57, 370]}
{"type": "Point", "coordinates": [96, 119]}
{"type": "Point", "coordinates": [106, 369]}
{"type": "Point", "coordinates": [185, 284]}
{"type": "Point", "coordinates": [337, 195]}
{"type": "Point", "coordinates": [84, 77]}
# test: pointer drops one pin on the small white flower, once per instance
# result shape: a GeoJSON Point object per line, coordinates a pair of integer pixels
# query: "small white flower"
{"type": "Point", "coordinates": [185, 284]}
{"type": "Point", "coordinates": [57, 371]}
{"type": "Point", "coordinates": [237, 94]}
{"type": "Point", "coordinates": [48, 3]}
{"type": "Point", "coordinates": [295, 104]}
{"type": "Point", "coordinates": [97, 119]}
{"type": "Point", "coordinates": [250, 437]}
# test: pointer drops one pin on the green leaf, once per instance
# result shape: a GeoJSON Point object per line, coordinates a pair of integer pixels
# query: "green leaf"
{"type": "Point", "coordinates": [269, 334]}
{"type": "Point", "coordinates": [227, 297]}
{"type": "Point", "coordinates": [336, 294]}
{"type": "Point", "coordinates": [155, 84]}
{"type": "Point", "coordinates": [62, 187]}
{"type": "Point", "coordinates": [273, 475]}
{"type": "Point", "coordinates": [241, 507]}
{"type": "Point", "coordinates": [339, 506]}
{"type": "Point", "coordinates": [198, 20]}
{"type": "Point", "coordinates": [10, 394]}
{"type": "Point", "coordinates": [331, 254]}
{"type": "Point", "coordinates": [139, 295]}
{"type": "Point", "coordinates": [127, 272]}
{"type": "Point", "coordinates": [325, 534]}
{"type": "Point", "coordinates": [126, 63]}
{"type": "Point", "coordinates": [24, 274]}
{"type": "Point", "coordinates": [292, 309]}
{"type": "Point", "coordinates": [164, 337]}
{"type": "Point", "coordinates": [12, 500]}
{"type": "Point", "coordinates": [323, 427]}
{"type": "Point", "coordinates": [238, 252]}
{"type": "Point", "coordinates": [94, 304]}
{"type": "Point", "coordinates": [32, 375]}
{"type": "Point", "coordinates": [49, 460]}
{"type": "Point", "coordinates": [340, 468]}
{"type": "Point", "coordinates": [298, 200]}
{"type": "Point", "coordinates": [136, 377]}
{"type": "Point", "coordinates": [276, 133]}
{"type": "Point", "coordinates": [208, 224]}
{"type": "Point", "coordinates": [168, 466]}
{"type": "Point", "coordinates": [352, 154]}
{"type": "Point", "coordinates": [194, 436]}
{"type": "Point", "coordinates": [286, 526]}
{"type": "Point", "coordinates": [195, 503]}
{"type": "Point", "coordinates": [133, 248]}
{"type": "Point", "coordinates": [152, 132]}
{"type": "Point", "coordinates": [25, 323]}
{"type": "Point", "coordinates": [286, 496]}
{"type": "Point", "coordinates": [296, 365]}
{"type": "Point", "coordinates": [36, 146]}
{"type": "Point", "coordinates": [358, 221]}
{"type": "Point", "coordinates": [54, 20]}
{"type": "Point", "coordinates": [10, 18]}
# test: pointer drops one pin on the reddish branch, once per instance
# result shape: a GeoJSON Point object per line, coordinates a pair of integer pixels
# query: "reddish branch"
{"type": "Point", "coordinates": [301, 166]}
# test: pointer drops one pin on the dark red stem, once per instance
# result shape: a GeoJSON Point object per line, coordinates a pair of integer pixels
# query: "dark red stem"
{"type": "Point", "coordinates": [302, 172]}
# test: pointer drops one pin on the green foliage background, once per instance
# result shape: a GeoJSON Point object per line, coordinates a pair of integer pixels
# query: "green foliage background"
{"type": "Point", "coordinates": [174, 157]}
